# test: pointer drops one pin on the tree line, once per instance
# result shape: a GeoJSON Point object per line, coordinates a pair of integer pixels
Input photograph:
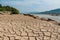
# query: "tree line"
{"type": "Point", "coordinates": [9, 8]}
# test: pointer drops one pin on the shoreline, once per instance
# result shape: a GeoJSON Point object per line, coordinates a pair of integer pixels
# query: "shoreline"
{"type": "Point", "coordinates": [43, 18]}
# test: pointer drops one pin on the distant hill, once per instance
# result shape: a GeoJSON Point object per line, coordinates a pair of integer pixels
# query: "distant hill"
{"type": "Point", "coordinates": [55, 11]}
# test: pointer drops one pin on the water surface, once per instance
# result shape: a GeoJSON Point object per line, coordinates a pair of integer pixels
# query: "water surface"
{"type": "Point", "coordinates": [56, 18]}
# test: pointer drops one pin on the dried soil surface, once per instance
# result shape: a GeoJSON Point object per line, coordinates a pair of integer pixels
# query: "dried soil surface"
{"type": "Point", "coordinates": [20, 27]}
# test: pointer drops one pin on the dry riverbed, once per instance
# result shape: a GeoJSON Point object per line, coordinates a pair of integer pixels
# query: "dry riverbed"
{"type": "Point", "coordinates": [20, 27]}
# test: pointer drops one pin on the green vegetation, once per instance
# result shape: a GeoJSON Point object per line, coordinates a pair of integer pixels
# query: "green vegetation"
{"type": "Point", "coordinates": [8, 8]}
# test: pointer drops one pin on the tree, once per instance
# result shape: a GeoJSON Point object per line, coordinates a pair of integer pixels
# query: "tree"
{"type": "Point", "coordinates": [0, 6]}
{"type": "Point", "coordinates": [14, 11]}
{"type": "Point", "coordinates": [1, 9]}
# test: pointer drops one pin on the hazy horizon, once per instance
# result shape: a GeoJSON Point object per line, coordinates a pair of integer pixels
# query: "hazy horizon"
{"type": "Point", "coordinates": [25, 6]}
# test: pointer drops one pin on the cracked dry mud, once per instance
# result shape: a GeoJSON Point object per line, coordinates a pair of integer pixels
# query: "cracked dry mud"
{"type": "Point", "coordinates": [20, 27]}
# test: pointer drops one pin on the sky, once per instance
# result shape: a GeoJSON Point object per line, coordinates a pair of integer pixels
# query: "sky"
{"type": "Point", "coordinates": [25, 6]}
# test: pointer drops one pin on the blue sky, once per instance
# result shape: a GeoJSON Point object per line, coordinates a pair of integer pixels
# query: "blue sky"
{"type": "Point", "coordinates": [25, 6]}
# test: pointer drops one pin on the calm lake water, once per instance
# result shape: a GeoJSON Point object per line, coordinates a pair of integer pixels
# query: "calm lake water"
{"type": "Point", "coordinates": [56, 18]}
